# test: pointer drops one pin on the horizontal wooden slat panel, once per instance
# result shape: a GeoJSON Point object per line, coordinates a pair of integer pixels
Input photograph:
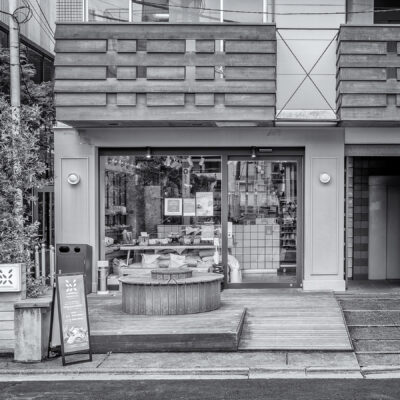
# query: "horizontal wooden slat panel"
{"type": "Point", "coordinates": [362, 100]}
{"type": "Point", "coordinates": [92, 116]}
{"type": "Point", "coordinates": [81, 46]}
{"type": "Point", "coordinates": [368, 76]}
{"type": "Point", "coordinates": [249, 73]}
{"type": "Point", "coordinates": [166, 31]}
{"type": "Point", "coordinates": [370, 114]}
{"type": "Point", "coordinates": [354, 87]}
{"type": "Point", "coordinates": [165, 73]}
{"type": "Point", "coordinates": [205, 46]}
{"type": "Point", "coordinates": [362, 74]}
{"type": "Point", "coordinates": [368, 61]}
{"type": "Point", "coordinates": [6, 324]}
{"type": "Point", "coordinates": [126, 46]}
{"type": "Point", "coordinates": [362, 47]}
{"type": "Point", "coordinates": [80, 99]}
{"type": "Point", "coordinates": [72, 72]}
{"type": "Point", "coordinates": [112, 85]}
{"type": "Point", "coordinates": [204, 99]}
{"type": "Point", "coordinates": [206, 73]}
{"type": "Point", "coordinates": [6, 345]}
{"type": "Point", "coordinates": [165, 99]}
{"type": "Point", "coordinates": [250, 100]}
{"type": "Point", "coordinates": [250, 46]}
{"type": "Point", "coordinates": [7, 334]}
{"type": "Point", "coordinates": [126, 99]}
{"type": "Point", "coordinates": [364, 33]}
{"type": "Point", "coordinates": [7, 315]}
{"type": "Point", "coordinates": [166, 46]}
{"type": "Point", "coordinates": [126, 72]}
{"type": "Point", "coordinates": [171, 67]}
{"type": "Point", "coordinates": [188, 59]}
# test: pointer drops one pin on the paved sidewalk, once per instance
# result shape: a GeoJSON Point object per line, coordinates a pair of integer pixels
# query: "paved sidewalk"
{"type": "Point", "coordinates": [237, 365]}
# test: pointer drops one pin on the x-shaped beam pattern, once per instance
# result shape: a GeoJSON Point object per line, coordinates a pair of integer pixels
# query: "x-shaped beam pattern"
{"type": "Point", "coordinates": [308, 73]}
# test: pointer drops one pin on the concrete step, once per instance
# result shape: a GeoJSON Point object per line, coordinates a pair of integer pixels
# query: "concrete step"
{"type": "Point", "coordinates": [370, 359]}
{"type": "Point", "coordinates": [374, 332]}
{"type": "Point", "coordinates": [377, 346]}
{"type": "Point", "coordinates": [375, 318]}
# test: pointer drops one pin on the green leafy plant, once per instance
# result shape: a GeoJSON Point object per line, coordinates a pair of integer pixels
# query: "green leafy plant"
{"type": "Point", "coordinates": [21, 171]}
{"type": "Point", "coordinates": [35, 287]}
{"type": "Point", "coordinates": [25, 164]}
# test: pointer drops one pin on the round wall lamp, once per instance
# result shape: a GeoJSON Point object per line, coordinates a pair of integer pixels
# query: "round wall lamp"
{"type": "Point", "coordinates": [73, 178]}
{"type": "Point", "coordinates": [324, 178]}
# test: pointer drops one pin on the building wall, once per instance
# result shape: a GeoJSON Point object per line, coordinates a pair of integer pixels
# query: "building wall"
{"type": "Point", "coordinates": [306, 43]}
{"type": "Point", "coordinates": [36, 29]}
{"type": "Point", "coordinates": [323, 204]}
{"type": "Point", "coordinates": [371, 151]}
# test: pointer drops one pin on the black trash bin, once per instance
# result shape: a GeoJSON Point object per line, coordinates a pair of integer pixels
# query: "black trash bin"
{"type": "Point", "coordinates": [72, 258]}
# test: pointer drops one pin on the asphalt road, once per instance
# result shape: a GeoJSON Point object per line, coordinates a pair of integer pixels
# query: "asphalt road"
{"type": "Point", "coordinates": [290, 389]}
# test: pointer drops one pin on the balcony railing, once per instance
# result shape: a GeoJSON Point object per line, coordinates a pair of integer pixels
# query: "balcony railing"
{"type": "Point", "coordinates": [368, 74]}
{"type": "Point", "coordinates": [127, 74]}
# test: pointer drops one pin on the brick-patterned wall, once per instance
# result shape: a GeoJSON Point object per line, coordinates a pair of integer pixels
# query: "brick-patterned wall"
{"type": "Point", "coordinates": [349, 217]}
{"type": "Point", "coordinates": [363, 167]}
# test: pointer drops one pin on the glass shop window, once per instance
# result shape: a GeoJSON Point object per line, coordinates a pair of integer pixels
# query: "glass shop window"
{"type": "Point", "coordinates": [3, 39]}
{"type": "Point", "coordinates": [36, 59]}
{"type": "Point", "coordinates": [48, 69]}
{"type": "Point", "coordinates": [165, 209]}
{"type": "Point", "coordinates": [243, 11]}
{"type": "Point", "coordinates": [108, 11]}
{"type": "Point", "coordinates": [386, 12]}
{"type": "Point", "coordinates": [197, 11]}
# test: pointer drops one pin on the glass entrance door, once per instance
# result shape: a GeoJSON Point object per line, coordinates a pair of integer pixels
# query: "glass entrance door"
{"type": "Point", "coordinates": [263, 222]}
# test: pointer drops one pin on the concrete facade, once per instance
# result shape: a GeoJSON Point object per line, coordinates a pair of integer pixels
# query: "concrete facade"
{"type": "Point", "coordinates": [77, 208]}
{"type": "Point", "coordinates": [332, 81]}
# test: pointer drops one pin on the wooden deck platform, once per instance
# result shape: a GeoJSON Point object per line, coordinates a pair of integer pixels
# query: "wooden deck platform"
{"type": "Point", "coordinates": [248, 320]}
{"type": "Point", "coordinates": [113, 330]}
{"type": "Point", "coordinates": [290, 319]}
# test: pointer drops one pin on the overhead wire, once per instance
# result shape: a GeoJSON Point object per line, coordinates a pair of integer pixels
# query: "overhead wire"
{"type": "Point", "coordinates": [44, 16]}
{"type": "Point", "coordinates": [156, 5]}
{"type": "Point", "coordinates": [48, 32]}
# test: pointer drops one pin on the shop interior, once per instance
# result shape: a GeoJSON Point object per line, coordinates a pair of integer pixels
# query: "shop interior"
{"type": "Point", "coordinates": [165, 212]}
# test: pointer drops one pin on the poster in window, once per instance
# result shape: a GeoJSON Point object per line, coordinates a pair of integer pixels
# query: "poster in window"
{"type": "Point", "coordinates": [173, 206]}
{"type": "Point", "coordinates": [189, 207]}
{"type": "Point", "coordinates": [204, 204]}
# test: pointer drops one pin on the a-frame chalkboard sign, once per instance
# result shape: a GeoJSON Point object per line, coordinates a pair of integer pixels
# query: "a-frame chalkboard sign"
{"type": "Point", "coordinates": [69, 327]}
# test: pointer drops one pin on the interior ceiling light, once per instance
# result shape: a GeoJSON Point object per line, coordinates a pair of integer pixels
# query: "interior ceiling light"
{"type": "Point", "coordinates": [148, 153]}
{"type": "Point", "coordinates": [253, 152]}
{"type": "Point", "coordinates": [201, 162]}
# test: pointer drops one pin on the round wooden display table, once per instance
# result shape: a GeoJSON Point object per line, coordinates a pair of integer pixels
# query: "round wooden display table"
{"type": "Point", "coordinates": [171, 292]}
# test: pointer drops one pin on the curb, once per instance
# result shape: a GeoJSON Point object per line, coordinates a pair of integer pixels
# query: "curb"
{"type": "Point", "coordinates": [175, 374]}
{"type": "Point", "coordinates": [381, 372]}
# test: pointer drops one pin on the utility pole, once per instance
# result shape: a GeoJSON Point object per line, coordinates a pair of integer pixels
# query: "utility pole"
{"type": "Point", "coordinates": [15, 97]}
{"type": "Point", "coordinates": [15, 90]}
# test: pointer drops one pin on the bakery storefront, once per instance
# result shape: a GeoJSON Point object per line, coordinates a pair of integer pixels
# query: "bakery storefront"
{"type": "Point", "coordinates": [236, 212]}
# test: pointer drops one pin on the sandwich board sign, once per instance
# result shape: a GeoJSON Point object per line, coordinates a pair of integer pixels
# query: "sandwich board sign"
{"type": "Point", "coordinates": [69, 318]}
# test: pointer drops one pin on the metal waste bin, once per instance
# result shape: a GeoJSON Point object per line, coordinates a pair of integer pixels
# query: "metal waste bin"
{"type": "Point", "coordinates": [72, 258]}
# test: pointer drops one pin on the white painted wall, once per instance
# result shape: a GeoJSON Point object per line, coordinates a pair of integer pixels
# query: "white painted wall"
{"type": "Point", "coordinates": [323, 204]}
{"type": "Point", "coordinates": [306, 37]}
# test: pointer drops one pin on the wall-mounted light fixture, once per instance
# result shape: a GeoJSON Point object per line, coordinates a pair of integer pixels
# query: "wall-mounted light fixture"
{"type": "Point", "coordinates": [73, 178]}
{"type": "Point", "coordinates": [148, 153]}
{"type": "Point", "coordinates": [324, 178]}
{"type": "Point", "coordinates": [253, 152]}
